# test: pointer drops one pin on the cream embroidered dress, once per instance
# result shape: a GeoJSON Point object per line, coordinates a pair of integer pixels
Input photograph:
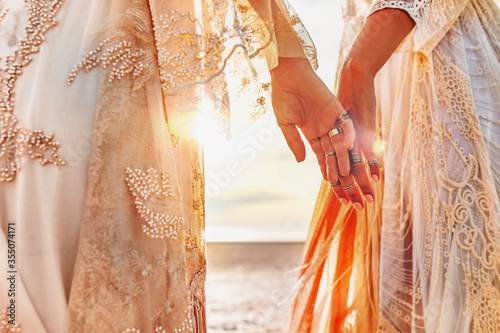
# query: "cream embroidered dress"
{"type": "Point", "coordinates": [101, 176]}
{"type": "Point", "coordinates": [426, 256]}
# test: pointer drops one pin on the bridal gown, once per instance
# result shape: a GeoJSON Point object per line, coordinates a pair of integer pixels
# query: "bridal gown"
{"type": "Point", "coordinates": [101, 175]}
{"type": "Point", "coordinates": [425, 257]}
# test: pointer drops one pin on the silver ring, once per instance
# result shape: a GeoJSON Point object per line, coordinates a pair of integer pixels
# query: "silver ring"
{"type": "Point", "coordinates": [355, 157]}
{"type": "Point", "coordinates": [349, 187]}
{"type": "Point", "coordinates": [335, 131]}
{"type": "Point", "coordinates": [346, 116]}
{"type": "Point", "coordinates": [329, 154]}
{"type": "Point", "coordinates": [374, 162]}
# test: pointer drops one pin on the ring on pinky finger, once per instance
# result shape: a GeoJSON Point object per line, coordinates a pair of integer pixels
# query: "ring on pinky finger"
{"type": "Point", "coordinates": [373, 162]}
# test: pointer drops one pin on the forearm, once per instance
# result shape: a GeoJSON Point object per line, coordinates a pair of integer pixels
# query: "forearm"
{"type": "Point", "coordinates": [380, 36]}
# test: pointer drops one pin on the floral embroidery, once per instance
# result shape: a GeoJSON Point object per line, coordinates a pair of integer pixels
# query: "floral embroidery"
{"type": "Point", "coordinates": [149, 188]}
{"type": "Point", "coordinates": [16, 140]}
{"type": "Point", "coordinates": [123, 59]}
{"type": "Point", "coordinates": [189, 52]}
{"type": "Point", "coordinates": [119, 54]}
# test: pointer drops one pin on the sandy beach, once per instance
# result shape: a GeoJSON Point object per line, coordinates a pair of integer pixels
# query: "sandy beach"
{"type": "Point", "coordinates": [249, 284]}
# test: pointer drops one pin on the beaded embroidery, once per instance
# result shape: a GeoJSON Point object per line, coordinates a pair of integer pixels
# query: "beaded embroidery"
{"type": "Point", "coordinates": [150, 188]}
{"type": "Point", "coordinates": [123, 58]}
{"type": "Point", "coordinates": [16, 140]}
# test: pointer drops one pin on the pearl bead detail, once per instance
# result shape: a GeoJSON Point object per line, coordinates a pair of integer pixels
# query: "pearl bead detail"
{"type": "Point", "coordinates": [149, 188]}
{"type": "Point", "coordinates": [17, 140]}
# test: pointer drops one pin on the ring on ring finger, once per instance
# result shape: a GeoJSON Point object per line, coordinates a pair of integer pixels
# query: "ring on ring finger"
{"type": "Point", "coordinates": [349, 187]}
{"type": "Point", "coordinates": [330, 154]}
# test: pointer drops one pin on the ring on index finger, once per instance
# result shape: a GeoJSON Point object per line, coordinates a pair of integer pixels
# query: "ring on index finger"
{"type": "Point", "coordinates": [315, 139]}
{"type": "Point", "coordinates": [346, 116]}
{"type": "Point", "coordinates": [335, 131]}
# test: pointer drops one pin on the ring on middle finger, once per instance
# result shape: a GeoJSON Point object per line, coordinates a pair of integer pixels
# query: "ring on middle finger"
{"type": "Point", "coordinates": [355, 157]}
{"type": "Point", "coordinates": [335, 131]}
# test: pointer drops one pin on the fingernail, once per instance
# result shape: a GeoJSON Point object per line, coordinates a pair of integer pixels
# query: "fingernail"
{"type": "Point", "coordinates": [375, 178]}
{"type": "Point", "coordinates": [343, 201]}
{"type": "Point", "coordinates": [357, 206]}
{"type": "Point", "coordinates": [369, 197]}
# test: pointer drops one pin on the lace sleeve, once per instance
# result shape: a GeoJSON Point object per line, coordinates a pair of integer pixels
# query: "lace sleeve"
{"type": "Point", "coordinates": [433, 19]}
{"type": "Point", "coordinates": [203, 47]}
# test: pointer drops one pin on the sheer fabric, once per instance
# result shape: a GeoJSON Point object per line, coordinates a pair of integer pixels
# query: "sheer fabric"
{"type": "Point", "coordinates": [101, 174]}
{"type": "Point", "coordinates": [437, 230]}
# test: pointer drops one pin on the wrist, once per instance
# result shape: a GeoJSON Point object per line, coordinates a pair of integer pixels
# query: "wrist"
{"type": "Point", "coordinates": [359, 70]}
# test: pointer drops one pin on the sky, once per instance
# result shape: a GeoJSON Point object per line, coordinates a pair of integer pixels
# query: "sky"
{"type": "Point", "coordinates": [255, 190]}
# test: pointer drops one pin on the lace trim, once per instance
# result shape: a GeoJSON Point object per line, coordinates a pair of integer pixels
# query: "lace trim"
{"type": "Point", "coordinates": [16, 140]}
{"type": "Point", "coordinates": [413, 8]}
{"type": "Point", "coordinates": [187, 56]}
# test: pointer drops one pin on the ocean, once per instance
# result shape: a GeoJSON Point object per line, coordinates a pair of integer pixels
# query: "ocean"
{"type": "Point", "coordinates": [249, 284]}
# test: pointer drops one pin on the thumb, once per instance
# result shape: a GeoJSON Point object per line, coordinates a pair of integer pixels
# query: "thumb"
{"type": "Point", "coordinates": [294, 141]}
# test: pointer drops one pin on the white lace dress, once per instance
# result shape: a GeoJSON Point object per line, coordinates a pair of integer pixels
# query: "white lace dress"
{"type": "Point", "coordinates": [426, 256]}
{"type": "Point", "coordinates": [439, 99]}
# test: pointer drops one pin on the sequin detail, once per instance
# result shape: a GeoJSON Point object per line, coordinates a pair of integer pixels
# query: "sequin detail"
{"type": "Point", "coordinates": [16, 140]}
{"type": "Point", "coordinates": [149, 189]}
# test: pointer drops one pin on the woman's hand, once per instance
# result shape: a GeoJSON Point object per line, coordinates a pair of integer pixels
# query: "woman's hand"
{"type": "Point", "coordinates": [357, 95]}
{"type": "Point", "coordinates": [381, 34]}
{"type": "Point", "coordinates": [301, 100]}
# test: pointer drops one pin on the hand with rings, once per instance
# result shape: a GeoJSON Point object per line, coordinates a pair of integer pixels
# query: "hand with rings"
{"type": "Point", "coordinates": [302, 101]}
{"type": "Point", "coordinates": [357, 96]}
